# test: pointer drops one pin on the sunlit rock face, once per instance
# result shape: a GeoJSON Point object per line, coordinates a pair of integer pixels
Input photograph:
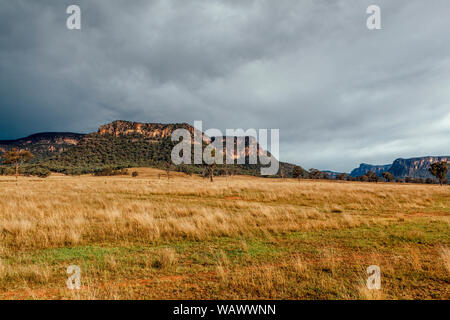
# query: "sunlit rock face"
{"type": "Point", "coordinates": [149, 130]}
{"type": "Point", "coordinates": [157, 131]}
{"type": "Point", "coordinates": [240, 147]}
{"type": "Point", "coordinates": [46, 144]}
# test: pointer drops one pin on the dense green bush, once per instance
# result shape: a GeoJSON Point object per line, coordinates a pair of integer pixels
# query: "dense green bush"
{"type": "Point", "coordinates": [7, 171]}
{"type": "Point", "coordinates": [96, 152]}
{"type": "Point", "coordinates": [36, 170]}
{"type": "Point", "coordinates": [28, 170]}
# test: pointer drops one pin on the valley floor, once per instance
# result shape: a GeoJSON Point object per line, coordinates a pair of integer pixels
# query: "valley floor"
{"type": "Point", "coordinates": [237, 238]}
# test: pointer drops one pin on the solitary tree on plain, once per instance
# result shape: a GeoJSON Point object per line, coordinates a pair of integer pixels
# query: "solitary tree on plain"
{"type": "Point", "coordinates": [439, 170]}
{"type": "Point", "coordinates": [17, 158]}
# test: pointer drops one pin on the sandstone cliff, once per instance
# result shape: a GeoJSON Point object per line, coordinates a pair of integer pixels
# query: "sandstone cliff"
{"type": "Point", "coordinates": [415, 167]}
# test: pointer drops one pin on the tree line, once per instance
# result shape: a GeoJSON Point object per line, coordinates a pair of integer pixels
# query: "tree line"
{"type": "Point", "coordinates": [17, 160]}
{"type": "Point", "coordinates": [438, 170]}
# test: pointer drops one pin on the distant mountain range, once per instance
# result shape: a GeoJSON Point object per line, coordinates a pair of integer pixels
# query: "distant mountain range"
{"type": "Point", "coordinates": [402, 168]}
{"type": "Point", "coordinates": [364, 168]}
{"type": "Point", "coordinates": [124, 143]}
{"type": "Point", "coordinates": [44, 144]}
{"type": "Point", "coordinates": [415, 167]}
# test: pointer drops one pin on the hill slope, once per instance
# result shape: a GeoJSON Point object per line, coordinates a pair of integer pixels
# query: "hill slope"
{"type": "Point", "coordinates": [122, 144]}
{"type": "Point", "coordinates": [45, 144]}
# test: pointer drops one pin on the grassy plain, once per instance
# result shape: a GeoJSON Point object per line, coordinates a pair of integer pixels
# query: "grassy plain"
{"type": "Point", "coordinates": [237, 238]}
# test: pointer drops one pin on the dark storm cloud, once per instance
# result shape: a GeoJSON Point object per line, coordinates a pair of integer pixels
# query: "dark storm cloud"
{"type": "Point", "coordinates": [339, 93]}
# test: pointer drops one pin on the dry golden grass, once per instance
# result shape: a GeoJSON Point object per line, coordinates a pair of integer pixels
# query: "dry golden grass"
{"type": "Point", "coordinates": [64, 210]}
{"type": "Point", "coordinates": [165, 259]}
{"type": "Point", "coordinates": [445, 254]}
{"type": "Point", "coordinates": [238, 237]}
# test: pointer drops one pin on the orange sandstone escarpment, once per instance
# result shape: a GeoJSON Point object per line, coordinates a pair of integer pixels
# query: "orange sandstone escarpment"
{"type": "Point", "coordinates": [149, 130]}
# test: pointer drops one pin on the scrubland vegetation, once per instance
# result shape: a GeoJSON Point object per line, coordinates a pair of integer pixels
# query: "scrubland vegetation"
{"type": "Point", "coordinates": [149, 237]}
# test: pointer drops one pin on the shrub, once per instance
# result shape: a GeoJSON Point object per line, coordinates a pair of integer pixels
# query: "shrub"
{"type": "Point", "coordinates": [388, 176]}
{"type": "Point", "coordinates": [372, 176]}
{"type": "Point", "coordinates": [134, 174]}
{"type": "Point", "coordinates": [29, 170]}
{"type": "Point", "coordinates": [165, 259]}
{"type": "Point", "coordinates": [185, 169]}
{"type": "Point", "coordinates": [364, 178]}
{"type": "Point", "coordinates": [6, 171]}
{"type": "Point", "coordinates": [409, 180]}
{"type": "Point", "coordinates": [341, 176]}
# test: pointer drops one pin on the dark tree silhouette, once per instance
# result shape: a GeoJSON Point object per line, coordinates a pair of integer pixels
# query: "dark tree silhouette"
{"type": "Point", "coordinates": [439, 170]}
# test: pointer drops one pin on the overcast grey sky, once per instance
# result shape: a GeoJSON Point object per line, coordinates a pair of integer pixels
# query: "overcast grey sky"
{"type": "Point", "coordinates": [339, 93]}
